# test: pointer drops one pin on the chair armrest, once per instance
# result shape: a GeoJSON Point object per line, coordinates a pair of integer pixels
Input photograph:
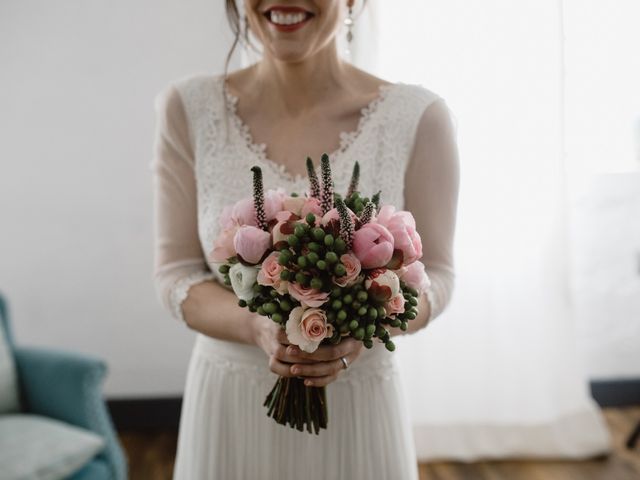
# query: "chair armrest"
{"type": "Point", "coordinates": [68, 387]}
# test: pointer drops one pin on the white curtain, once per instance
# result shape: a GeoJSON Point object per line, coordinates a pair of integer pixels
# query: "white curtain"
{"type": "Point", "coordinates": [498, 374]}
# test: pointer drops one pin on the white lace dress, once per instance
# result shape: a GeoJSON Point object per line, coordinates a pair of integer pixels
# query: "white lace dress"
{"type": "Point", "coordinates": [202, 163]}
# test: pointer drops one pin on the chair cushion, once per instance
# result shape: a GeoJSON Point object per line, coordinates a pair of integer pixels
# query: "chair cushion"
{"type": "Point", "coordinates": [8, 377]}
{"type": "Point", "coordinates": [35, 447]}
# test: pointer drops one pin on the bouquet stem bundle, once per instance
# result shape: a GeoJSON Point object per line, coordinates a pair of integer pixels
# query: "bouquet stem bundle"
{"type": "Point", "coordinates": [292, 402]}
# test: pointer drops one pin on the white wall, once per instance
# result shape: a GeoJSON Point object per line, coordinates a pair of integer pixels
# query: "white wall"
{"type": "Point", "coordinates": [77, 83]}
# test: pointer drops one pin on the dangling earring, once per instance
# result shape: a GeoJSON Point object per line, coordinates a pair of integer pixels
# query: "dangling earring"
{"type": "Point", "coordinates": [349, 24]}
{"type": "Point", "coordinates": [246, 30]}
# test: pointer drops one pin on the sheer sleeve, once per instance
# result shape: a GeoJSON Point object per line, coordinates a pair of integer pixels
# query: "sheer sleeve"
{"type": "Point", "coordinates": [179, 262]}
{"type": "Point", "coordinates": [431, 194]}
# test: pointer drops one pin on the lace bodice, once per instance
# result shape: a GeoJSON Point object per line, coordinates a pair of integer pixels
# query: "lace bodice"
{"type": "Point", "coordinates": [204, 153]}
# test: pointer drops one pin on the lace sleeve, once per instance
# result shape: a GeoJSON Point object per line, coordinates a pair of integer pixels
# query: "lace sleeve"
{"type": "Point", "coordinates": [179, 262]}
{"type": "Point", "coordinates": [431, 194]}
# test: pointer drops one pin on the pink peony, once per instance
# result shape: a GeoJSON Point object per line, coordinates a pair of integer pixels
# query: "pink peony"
{"type": "Point", "coordinates": [251, 243]}
{"type": "Point", "coordinates": [382, 284]}
{"type": "Point", "coordinates": [394, 305]}
{"type": "Point", "coordinates": [406, 240]}
{"type": "Point", "coordinates": [308, 296]}
{"type": "Point", "coordinates": [373, 245]}
{"type": "Point", "coordinates": [353, 267]}
{"type": "Point", "coordinates": [244, 213]}
{"type": "Point", "coordinates": [415, 276]}
{"type": "Point", "coordinates": [269, 274]}
{"type": "Point", "coordinates": [223, 246]}
{"type": "Point", "coordinates": [306, 328]}
{"type": "Point", "coordinates": [226, 220]}
{"type": "Point", "coordinates": [274, 202]}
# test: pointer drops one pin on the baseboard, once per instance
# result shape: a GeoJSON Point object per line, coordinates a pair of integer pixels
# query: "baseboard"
{"type": "Point", "coordinates": [164, 413]}
{"type": "Point", "coordinates": [616, 393]}
{"type": "Point", "coordinates": [145, 413]}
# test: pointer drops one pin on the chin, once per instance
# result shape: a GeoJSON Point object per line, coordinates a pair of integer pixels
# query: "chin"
{"type": "Point", "coordinates": [289, 55]}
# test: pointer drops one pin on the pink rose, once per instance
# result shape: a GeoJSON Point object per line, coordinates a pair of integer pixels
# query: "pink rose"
{"type": "Point", "coordinates": [406, 240]}
{"type": "Point", "coordinates": [382, 284]}
{"type": "Point", "coordinates": [251, 243]}
{"type": "Point", "coordinates": [395, 305]}
{"type": "Point", "coordinates": [269, 274]}
{"type": "Point", "coordinates": [308, 296]}
{"type": "Point", "coordinates": [415, 276]}
{"type": "Point", "coordinates": [352, 265]}
{"type": "Point", "coordinates": [373, 245]}
{"type": "Point", "coordinates": [306, 328]}
{"type": "Point", "coordinates": [223, 246]}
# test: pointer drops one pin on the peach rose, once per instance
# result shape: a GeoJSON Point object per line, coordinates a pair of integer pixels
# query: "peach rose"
{"type": "Point", "coordinates": [353, 267]}
{"type": "Point", "coordinates": [307, 296]}
{"type": "Point", "coordinates": [394, 305]}
{"type": "Point", "coordinates": [269, 274]}
{"type": "Point", "coordinates": [306, 328]}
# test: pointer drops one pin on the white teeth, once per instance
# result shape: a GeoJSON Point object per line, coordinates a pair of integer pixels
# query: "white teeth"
{"type": "Point", "coordinates": [286, 18]}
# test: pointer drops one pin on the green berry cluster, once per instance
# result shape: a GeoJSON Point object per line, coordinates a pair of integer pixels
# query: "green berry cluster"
{"type": "Point", "coordinates": [311, 255]}
{"type": "Point", "coordinates": [356, 203]}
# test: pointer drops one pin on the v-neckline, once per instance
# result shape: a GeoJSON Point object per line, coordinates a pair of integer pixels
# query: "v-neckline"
{"type": "Point", "coordinates": [346, 138]}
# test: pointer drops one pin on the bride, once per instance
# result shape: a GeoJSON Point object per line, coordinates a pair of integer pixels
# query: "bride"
{"type": "Point", "coordinates": [301, 99]}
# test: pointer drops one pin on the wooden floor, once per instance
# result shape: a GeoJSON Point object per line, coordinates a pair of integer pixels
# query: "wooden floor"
{"type": "Point", "coordinates": [151, 456]}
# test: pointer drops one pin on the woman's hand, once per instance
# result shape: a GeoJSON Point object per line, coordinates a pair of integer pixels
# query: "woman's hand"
{"type": "Point", "coordinates": [271, 338]}
{"type": "Point", "coordinates": [323, 366]}
{"type": "Point", "coordinates": [319, 368]}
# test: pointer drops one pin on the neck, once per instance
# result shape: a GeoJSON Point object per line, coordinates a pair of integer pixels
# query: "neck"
{"type": "Point", "coordinates": [301, 85]}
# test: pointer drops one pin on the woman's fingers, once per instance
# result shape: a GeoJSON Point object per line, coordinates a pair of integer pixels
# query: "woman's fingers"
{"type": "Point", "coordinates": [280, 368]}
{"type": "Point", "coordinates": [321, 369]}
{"type": "Point", "coordinates": [281, 336]}
{"type": "Point", "coordinates": [326, 353]}
{"type": "Point", "coordinates": [320, 381]}
{"type": "Point", "coordinates": [281, 353]}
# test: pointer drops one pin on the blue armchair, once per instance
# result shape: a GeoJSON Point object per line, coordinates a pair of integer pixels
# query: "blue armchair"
{"type": "Point", "coordinates": [67, 387]}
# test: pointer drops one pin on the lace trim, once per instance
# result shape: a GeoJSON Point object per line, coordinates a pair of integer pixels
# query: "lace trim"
{"type": "Point", "coordinates": [346, 138]}
{"type": "Point", "coordinates": [181, 289]}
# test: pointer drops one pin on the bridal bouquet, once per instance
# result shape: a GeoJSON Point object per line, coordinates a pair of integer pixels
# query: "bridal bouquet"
{"type": "Point", "coordinates": [323, 267]}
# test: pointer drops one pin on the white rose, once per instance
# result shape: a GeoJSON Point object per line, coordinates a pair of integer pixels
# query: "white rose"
{"type": "Point", "coordinates": [242, 279]}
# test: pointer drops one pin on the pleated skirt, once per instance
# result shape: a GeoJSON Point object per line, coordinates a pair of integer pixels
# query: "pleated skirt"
{"type": "Point", "coordinates": [225, 432]}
